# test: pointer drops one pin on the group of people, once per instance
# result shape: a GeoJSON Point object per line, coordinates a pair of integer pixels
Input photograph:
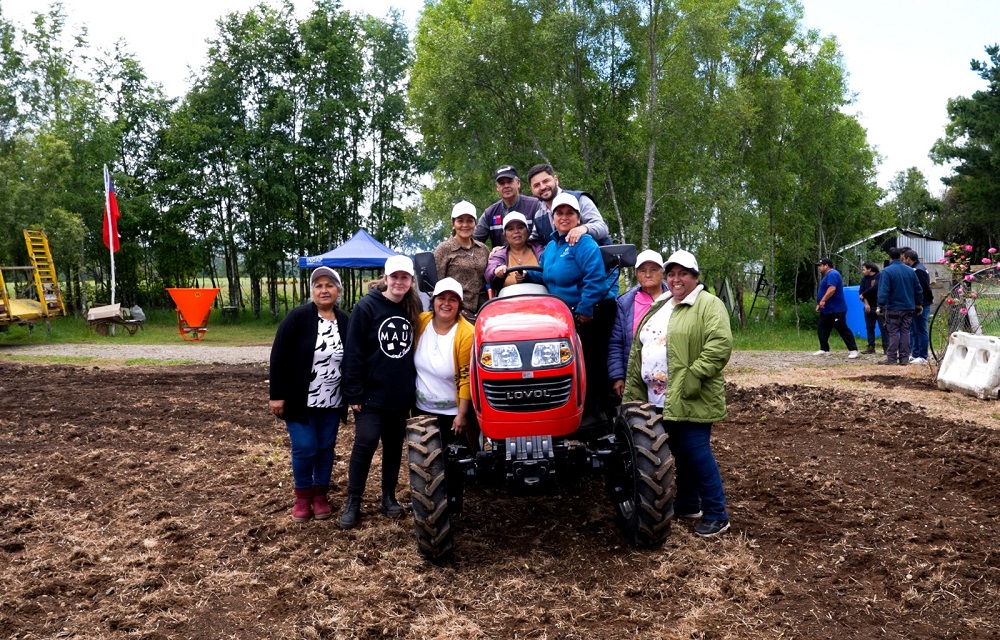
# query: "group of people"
{"type": "Point", "coordinates": [896, 299]}
{"type": "Point", "coordinates": [664, 341]}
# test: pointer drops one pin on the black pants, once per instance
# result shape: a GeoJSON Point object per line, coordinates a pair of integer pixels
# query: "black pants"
{"type": "Point", "coordinates": [830, 321]}
{"type": "Point", "coordinates": [871, 319]}
{"type": "Point", "coordinates": [594, 337]}
{"type": "Point", "coordinates": [371, 426]}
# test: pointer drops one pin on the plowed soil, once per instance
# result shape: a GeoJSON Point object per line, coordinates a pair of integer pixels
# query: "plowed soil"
{"type": "Point", "coordinates": [154, 502]}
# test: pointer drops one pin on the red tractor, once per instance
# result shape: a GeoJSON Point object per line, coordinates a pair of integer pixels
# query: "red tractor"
{"type": "Point", "coordinates": [528, 387]}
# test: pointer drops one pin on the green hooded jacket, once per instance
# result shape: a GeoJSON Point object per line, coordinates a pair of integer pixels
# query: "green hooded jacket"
{"type": "Point", "coordinates": [699, 343]}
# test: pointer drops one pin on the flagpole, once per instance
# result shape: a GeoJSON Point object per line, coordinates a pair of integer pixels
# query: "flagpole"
{"type": "Point", "coordinates": [111, 240]}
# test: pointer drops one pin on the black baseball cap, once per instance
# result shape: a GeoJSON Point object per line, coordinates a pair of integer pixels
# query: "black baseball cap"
{"type": "Point", "coordinates": [506, 171]}
{"type": "Point", "coordinates": [825, 261]}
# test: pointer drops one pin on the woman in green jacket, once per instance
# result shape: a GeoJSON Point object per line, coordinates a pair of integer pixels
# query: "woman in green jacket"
{"type": "Point", "coordinates": [676, 362]}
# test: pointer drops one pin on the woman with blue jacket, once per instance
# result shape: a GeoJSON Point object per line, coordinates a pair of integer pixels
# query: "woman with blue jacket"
{"type": "Point", "coordinates": [574, 272]}
{"type": "Point", "coordinates": [632, 306]}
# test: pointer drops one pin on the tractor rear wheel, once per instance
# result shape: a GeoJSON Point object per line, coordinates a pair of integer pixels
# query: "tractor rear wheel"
{"type": "Point", "coordinates": [643, 486]}
{"type": "Point", "coordinates": [429, 489]}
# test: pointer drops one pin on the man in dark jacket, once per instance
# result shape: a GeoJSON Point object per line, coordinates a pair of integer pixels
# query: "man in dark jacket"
{"type": "Point", "coordinates": [919, 339]}
{"type": "Point", "coordinates": [868, 293]}
{"type": "Point", "coordinates": [490, 224]}
{"type": "Point", "coordinates": [899, 295]}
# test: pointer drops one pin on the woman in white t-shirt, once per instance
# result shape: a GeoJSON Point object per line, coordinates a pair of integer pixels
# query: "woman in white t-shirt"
{"type": "Point", "coordinates": [442, 358]}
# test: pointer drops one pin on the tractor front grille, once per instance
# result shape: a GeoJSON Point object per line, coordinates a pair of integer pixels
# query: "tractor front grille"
{"type": "Point", "coordinates": [529, 394]}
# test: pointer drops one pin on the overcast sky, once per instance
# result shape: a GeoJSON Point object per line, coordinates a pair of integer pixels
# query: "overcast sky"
{"type": "Point", "coordinates": [905, 57]}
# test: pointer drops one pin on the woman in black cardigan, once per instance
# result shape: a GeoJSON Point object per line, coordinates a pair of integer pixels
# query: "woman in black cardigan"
{"type": "Point", "coordinates": [306, 390]}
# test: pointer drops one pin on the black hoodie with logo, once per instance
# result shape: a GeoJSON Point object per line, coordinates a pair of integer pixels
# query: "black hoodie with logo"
{"type": "Point", "coordinates": [378, 369]}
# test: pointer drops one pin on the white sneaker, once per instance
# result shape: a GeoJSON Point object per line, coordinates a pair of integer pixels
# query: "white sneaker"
{"type": "Point", "coordinates": [910, 360]}
{"type": "Point", "coordinates": [918, 361]}
{"type": "Point", "coordinates": [821, 353]}
{"type": "Point", "coordinates": [852, 355]}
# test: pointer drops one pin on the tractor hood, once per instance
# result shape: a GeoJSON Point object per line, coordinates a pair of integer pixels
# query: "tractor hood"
{"type": "Point", "coordinates": [523, 318]}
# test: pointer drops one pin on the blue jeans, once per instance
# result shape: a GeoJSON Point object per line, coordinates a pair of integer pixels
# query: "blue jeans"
{"type": "Point", "coordinates": [919, 339]}
{"type": "Point", "coordinates": [312, 447]}
{"type": "Point", "coordinates": [699, 484]}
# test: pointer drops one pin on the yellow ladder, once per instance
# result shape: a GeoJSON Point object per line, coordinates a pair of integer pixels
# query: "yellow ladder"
{"type": "Point", "coordinates": [45, 273]}
{"type": "Point", "coordinates": [6, 315]}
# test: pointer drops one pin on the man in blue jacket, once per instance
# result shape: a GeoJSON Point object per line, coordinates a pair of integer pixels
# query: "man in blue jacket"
{"type": "Point", "coordinates": [919, 339]}
{"type": "Point", "coordinates": [831, 305]}
{"type": "Point", "coordinates": [899, 296]}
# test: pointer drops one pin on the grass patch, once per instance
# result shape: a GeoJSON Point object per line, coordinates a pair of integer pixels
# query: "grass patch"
{"type": "Point", "coordinates": [160, 328]}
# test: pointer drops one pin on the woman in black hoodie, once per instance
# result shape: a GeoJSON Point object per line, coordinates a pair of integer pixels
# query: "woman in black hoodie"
{"type": "Point", "coordinates": [380, 383]}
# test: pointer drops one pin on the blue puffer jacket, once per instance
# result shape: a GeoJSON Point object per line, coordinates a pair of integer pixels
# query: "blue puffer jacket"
{"type": "Point", "coordinates": [898, 288]}
{"type": "Point", "coordinates": [621, 334]}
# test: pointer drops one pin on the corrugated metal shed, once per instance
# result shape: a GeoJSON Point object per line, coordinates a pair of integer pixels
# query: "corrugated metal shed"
{"type": "Point", "coordinates": [848, 258]}
{"type": "Point", "coordinates": [929, 249]}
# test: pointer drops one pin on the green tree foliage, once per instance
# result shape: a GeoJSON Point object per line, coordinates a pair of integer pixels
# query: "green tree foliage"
{"type": "Point", "coordinates": [911, 205]}
{"type": "Point", "coordinates": [972, 141]}
{"type": "Point", "coordinates": [712, 125]}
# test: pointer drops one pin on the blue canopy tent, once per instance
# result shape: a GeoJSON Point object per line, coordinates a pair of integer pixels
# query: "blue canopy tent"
{"type": "Point", "coordinates": [362, 252]}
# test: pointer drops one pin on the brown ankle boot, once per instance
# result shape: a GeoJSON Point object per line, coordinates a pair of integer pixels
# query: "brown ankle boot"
{"type": "Point", "coordinates": [320, 504]}
{"type": "Point", "coordinates": [302, 510]}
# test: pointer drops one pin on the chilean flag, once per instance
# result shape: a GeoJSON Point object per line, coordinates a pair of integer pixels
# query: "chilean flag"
{"type": "Point", "coordinates": [110, 213]}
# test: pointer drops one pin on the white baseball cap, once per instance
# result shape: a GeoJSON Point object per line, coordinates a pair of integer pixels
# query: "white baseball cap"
{"type": "Point", "coordinates": [325, 271]}
{"type": "Point", "coordinates": [514, 216]}
{"type": "Point", "coordinates": [566, 198]}
{"type": "Point", "coordinates": [649, 256]}
{"type": "Point", "coordinates": [684, 259]}
{"type": "Point", "coordinates": [463, 208]}
{"type": "Point", "coordinates": [448, 284]}
{"type": "Point", "coordinates": [398, 263]}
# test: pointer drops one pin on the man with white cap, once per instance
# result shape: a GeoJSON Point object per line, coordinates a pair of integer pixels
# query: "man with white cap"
{"type": "Point", "coordinates": [380, 383]}
{"type": "Point", "coordinates": [632, 306]}
{"type": "Point", "coordinates": [508, 185]}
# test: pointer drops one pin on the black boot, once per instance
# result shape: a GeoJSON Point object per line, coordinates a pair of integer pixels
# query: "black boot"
{"type": "Point", "coordinates": [351, 514]}
{"type": "Point", "coordinates": [391, 507]}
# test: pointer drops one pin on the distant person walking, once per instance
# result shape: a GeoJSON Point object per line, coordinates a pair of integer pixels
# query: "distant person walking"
{"type": "Point", "coordinates": [831, 305]}
{"type": "Point", "coordinates": [899, 296]}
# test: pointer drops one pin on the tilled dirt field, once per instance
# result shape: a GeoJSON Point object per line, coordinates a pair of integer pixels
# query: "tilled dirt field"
{"type": "Point", "coordinates": [153, 502]}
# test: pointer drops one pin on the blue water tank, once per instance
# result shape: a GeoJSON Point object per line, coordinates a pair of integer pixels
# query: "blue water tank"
{"type": "Point", "coordinates": [856, 313]}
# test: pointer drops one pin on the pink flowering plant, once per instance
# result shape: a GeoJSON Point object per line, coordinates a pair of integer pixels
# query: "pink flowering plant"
{"type": "Point", "coordinates": [969, 276]}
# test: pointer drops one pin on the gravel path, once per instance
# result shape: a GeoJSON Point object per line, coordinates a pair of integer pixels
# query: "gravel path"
{"type": "Point", "coordinates": [203, 353]}
{"type": "Point", "coordinates": [186, 351]}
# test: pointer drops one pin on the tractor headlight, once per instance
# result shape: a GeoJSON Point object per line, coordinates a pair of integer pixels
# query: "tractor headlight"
{"type": "Point", "coordinates": [551, 354]}
{"type": "Point", "coordinates": [500, 356]}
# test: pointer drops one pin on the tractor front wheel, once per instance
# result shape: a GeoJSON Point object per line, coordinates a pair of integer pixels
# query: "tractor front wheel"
{"type": "Point", "coordinates": [429, 489]}
{"type": "Point", "coordinates": [642, 486]}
